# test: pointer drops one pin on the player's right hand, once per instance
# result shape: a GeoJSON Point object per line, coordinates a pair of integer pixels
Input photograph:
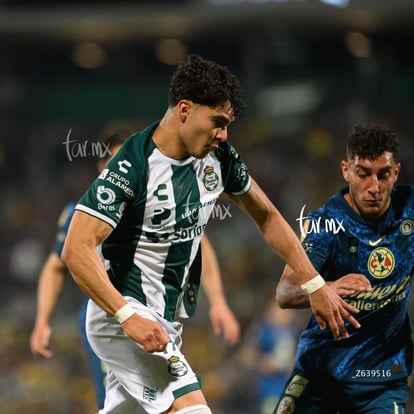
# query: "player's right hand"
{"type": "Point", "coordinates": [150, 334]}
{"type": "Point", "coordinates": [330, 309]}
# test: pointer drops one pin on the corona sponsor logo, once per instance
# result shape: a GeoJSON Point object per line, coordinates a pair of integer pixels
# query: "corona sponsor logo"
{"type": "Point", "coordinates": [381, 263]}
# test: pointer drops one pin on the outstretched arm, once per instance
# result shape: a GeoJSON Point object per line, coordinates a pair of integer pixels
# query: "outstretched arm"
{"type": "Point", "coordinates": [221, 317]}
{"type": "Point", "coordinates": [48, 290]}
{"type": "Point", "coordinates": [328, 307]}
{"type": "Point", "coordinates": [289, 294]}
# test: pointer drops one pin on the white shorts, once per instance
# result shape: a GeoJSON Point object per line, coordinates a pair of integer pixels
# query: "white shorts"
{"type": "Point", "coordinates": [138, 382]}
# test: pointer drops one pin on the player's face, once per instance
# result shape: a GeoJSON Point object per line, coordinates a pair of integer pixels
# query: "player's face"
{"type": "Point", "coordinates": [204, 128]}
{"type": "Point", "coordinates": [370, 184]}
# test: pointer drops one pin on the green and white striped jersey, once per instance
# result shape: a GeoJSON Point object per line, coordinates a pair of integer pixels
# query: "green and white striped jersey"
{"type": "Point", "coordinates": [159, 208]}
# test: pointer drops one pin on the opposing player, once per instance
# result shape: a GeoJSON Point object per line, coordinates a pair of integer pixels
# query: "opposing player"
{"type": "Point", "coordinates": [367, 260]}
{"type": "Point", "coordinates": [149, 209]}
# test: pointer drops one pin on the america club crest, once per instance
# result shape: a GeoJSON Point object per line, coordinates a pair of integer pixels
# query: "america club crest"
{"type": "Point", "coordinates": [381, 263]}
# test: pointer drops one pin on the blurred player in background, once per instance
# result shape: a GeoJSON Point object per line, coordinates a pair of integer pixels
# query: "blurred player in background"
{"type": "Point", "coordinates": [268, 352]}
{"type": "Point", "coordinates": [365, 251]}
{"type": "Point", "coordinates": [52, 276]}
{"type": "Point", "coordinates": [51, 281]}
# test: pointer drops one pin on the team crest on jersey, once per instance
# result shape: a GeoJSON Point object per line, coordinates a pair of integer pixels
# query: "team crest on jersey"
{"type": "Point", "coordinates": [381, 263]}
{"type": "Point", "coordinates": [406, 227]}
{"type": "Point", "coordinates": [176, 367]}
{"type": "Point", "coordinates": [286, 406]}
{"type": "Point", "coordinates": [210, 179]}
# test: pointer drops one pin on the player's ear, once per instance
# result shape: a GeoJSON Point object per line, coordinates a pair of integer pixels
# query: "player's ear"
{"type": "Point", "coordinates": [183, 108]}
{"type": "Point", "coordinates": [345, 170]}
{"type": "Point", "coordinates": [397, 171]}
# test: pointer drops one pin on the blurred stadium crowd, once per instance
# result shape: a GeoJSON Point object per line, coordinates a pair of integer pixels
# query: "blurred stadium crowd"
{"type": "Point", "coordinates": [305, 88]}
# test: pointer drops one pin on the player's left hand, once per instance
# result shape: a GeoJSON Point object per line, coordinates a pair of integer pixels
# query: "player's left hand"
{"type": "Point", "coordinates": [39, 341]}
{"type": "Point", "coordinates": [223, 321]}
{"type": "Point", "coordinates": [350, 284]}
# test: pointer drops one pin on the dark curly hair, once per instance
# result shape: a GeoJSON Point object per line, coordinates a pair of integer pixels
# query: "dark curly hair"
{"type": "Point", "coordinates": [369, 141]}
{"type": "Point", "coordinates": [207, 83]}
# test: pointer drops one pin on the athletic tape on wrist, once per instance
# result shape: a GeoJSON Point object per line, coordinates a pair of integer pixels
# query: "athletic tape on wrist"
{"type": "Point", "coordinates": [313, 285]}
{"type": "Point", "coordinates": [122, 314]}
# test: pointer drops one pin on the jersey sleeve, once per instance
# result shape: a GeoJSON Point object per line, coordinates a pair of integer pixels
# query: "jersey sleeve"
{"type": "Point", "coordinates": [115, 187]}
{"type": "Point", "coordinates": [62, 227]}
{"type": "Point", "coordinates": [236, 177]}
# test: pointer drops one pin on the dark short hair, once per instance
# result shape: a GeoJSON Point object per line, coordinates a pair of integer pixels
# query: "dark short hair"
{"type": "Point", "coordinates": [207, 83]}
{"type": "Point", "coordinates": [369, 141]}
{"type": "Point", "coordinates": [112, 138]}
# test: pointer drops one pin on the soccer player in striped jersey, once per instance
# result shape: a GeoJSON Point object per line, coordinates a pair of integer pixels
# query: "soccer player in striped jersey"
{"type": "Point", "coordinates": [362, 242]}
{"type": "Point", "coordinates": [149, 208]}
{"type": "Point", "coordinates": [53, 272]}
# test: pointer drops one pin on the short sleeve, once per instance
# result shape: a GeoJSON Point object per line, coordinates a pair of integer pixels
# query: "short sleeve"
{"type": "Point", "coordinates": [115, 187]}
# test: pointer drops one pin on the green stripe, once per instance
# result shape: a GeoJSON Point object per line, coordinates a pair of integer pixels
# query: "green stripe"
{"type": "Point", "coordinates": [121, 245]}
{"type": "Point", "coordinates": [185, 390]}
{"type": "Point", "coordinates": [187, 202]}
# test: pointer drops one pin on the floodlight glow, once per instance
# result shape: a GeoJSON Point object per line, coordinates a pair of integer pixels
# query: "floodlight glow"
{"type": "Point", "coordinates": [338, 3]}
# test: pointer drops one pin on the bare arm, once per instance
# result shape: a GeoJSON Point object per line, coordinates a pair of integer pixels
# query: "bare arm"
{"type": "Point", "coordinates": [81, 257]}
{"type": "Point", "coordinates": [221, 317]}
{"type": "Point", "coordinates": [48, 290]}
{"type": "Point", "coordinates": [290, 295]}
{"type": "Point", "coordinates": [327, 306]}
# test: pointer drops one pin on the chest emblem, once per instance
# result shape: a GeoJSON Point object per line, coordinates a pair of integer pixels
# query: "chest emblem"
{"type": "Point", "coordinates": [406, 227]}
{"type": "Point", "coordinates": [210, 179]}
{"type": "Point", "coordinates": [381, 262]}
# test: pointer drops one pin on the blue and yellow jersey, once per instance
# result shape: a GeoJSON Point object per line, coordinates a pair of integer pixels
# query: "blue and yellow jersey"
{"type": "Point", "coordinates": [339, 241]}
{"type": "Point", "coordinates": [62, 227]}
